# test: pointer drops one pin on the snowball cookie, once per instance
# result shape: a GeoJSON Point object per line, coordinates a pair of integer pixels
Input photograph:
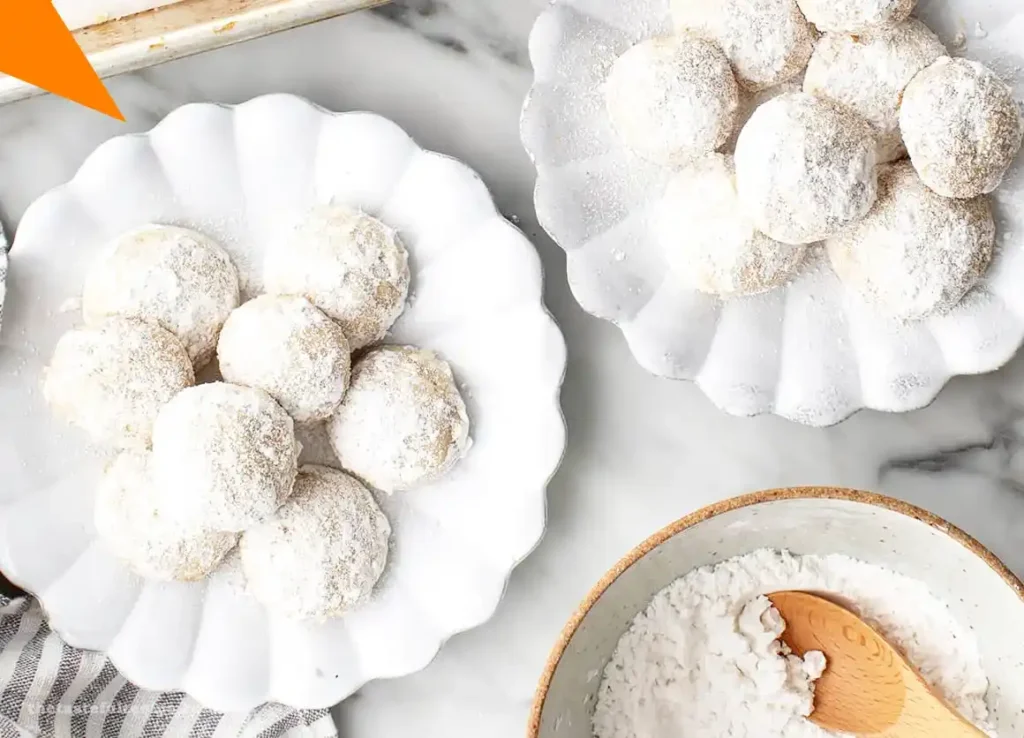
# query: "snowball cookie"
{"type": "Point", "coordinates": [672, 99]}
{"type": "Point", "coordinates": [710, 243]}
{"type": "Point", "coordinates": [402, 421]}
{"type": "Point", "coordinates": [112, 378]}
{"type": "Point", "coordinates": [767, 41]}
{"type": "Point", "coordinates": [227, 453]}
{"type": "Point", "coordinates": [805, 168]}
{"type": "Point", "coordinates": [961, 126]}
{"type": "Point", "coordinates": [868, 74]}
{"type": "Point", "coordinates": [290, 350]}
{"type": "Point", "coordinates": [916, 253]}
{"type": "Point", "coordinates": [348, 264]}
{"type": "Point", "coordinates": [751, 101]}
{"type": "Point", "coordinates": [324, 550]}
{"type": "Point", "coordinates": [856, 16]}
{"type": "Point", "coordinates": [141, 528]}
{"type": "Point", "coordinates": [178, 278]}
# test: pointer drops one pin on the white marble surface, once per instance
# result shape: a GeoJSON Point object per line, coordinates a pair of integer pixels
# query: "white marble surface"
{"type": "Point", "coordinates": [642, 451]}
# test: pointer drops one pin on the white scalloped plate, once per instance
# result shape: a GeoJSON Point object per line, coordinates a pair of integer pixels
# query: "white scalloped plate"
{"type": "Point", "coordinates": [810, 352]}
{"type": "Point", "coordinates": [242, 174]}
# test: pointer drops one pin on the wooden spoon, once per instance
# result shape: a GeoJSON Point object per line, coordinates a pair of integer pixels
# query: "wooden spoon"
{"type": "Point", "coordinates": [868, 688]}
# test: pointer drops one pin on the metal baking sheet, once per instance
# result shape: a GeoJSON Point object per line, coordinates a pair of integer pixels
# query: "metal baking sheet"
{"type": "Point", "coordinates": [177, 28]}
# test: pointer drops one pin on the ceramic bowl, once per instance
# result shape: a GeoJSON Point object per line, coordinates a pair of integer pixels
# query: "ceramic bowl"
{"type": "Point", "coordinates": [811, 352]}
{"type": "Point", "coordinates": [980, 591]}
{"type": "Point", "coordinates": [245, 175]}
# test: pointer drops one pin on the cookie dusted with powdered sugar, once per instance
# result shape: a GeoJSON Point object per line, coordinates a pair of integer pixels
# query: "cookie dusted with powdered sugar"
{"type": "Point", "coordinates": [868, 74]}
{"type": "Point", "coordinates": [323, 551]}
{"type": "Point", "coordinates": [708, 240]}
{"type": "Point", "coordinates": [767, 41]}
{"type": "Point", "coordinates": [916, 253]}
{"type": "Point", "coordinates": [749, 103]}
{"type": "Point", "coordinates": [173, 276]}
{"type": "Point", "coordinates": [289, 349]}
{"type": "Point", "coordinates": [111, 379]}
{"type": "Point", "coordinates": [856, 16]}
{"type": "Point", "coordinates": [142, 530]}
{"type": "Point", "coordinates": [672, 99]}
{"type": "Point", "coordinates": [402, 422]}
{"type": "Point", "coordinates": [805, 168]}
{"type": "Point", "coordinates": [962, 127]}
{"type": "Point", "coordinates": [227, 454]}
{"type": "Point", "coordinates": [348, 264]}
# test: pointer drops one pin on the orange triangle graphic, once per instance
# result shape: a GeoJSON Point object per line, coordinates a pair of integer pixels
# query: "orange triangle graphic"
{"type": "Point", "coordinates": [37, 47]}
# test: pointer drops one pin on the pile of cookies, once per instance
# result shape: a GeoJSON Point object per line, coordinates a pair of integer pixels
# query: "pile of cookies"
{"type": "Point", "coordinates": [767, 166]}
{"type": "Point", "coordinates": [204, 467]}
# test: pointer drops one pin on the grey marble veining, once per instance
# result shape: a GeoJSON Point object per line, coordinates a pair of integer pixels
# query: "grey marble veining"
{"type": "Point", "coordinates": [642, 451]}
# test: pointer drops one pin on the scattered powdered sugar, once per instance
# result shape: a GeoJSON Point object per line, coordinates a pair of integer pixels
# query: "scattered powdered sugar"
{"type": "Point", "coordinates": [962, 127]}
{"type": "Point", "coordinates": [402, 421]}
{"type": "Point", "coordinates": [916, 253]}
{"type": "Point", "coordinates": [856, 16]}
{"type": "Point", "coordinates": [112, 378]}
{"type": "Point", "coordinates": [348, 264]}
{"type": "Point", "coordinates": [173, 276]}
{"type": "Point", "coordinates": [224, 456]}
{"type": "Point", "coordinates": [710, 243]}
{"type": "Point", "coordinates": [805, 168]}
{"type": "Point", "coordinates": [868, 74]}
{"type": "Point", "coordinates": [703, 658]}
{"type": "Point", "coordinates": [323, 551]}
{"type": "Point", "coordinates": [289, 349]}
{"type": "Point", "coordinates": [672, 99]}
{"type": "Point", "coordinates": [136, 527]}
{"type": "Point", "coordinates": [767, 41]}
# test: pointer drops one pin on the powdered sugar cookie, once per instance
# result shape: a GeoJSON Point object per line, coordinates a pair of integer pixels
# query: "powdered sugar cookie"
{"type": "Point", "coordinates": [227, 453]}
{"type": "Point", "coordinates": [962, 127]}
{"type": "Point", "coordinates": [323, 551]}
{"type": "Point", "coordinates": [112, 378]}
{"type": "Point", "coordinates": [140, 528]}
{"type": "Point", "coordinates": [767, 41]}
{"type": "Point", "coordinates": [402, 422]}
{"type": "Point", "coordinates": [290, 350]}
{"type": "Point", "coordinates": [805, 168]}
{"type": "Point", "coordinates": [672, 99]}
{"type": "Point", "coordinates": [708, 240]}
{"type": "Point", "coordinates": [916, 253]}
{"type": "Point", "coordinates": [348, 264]}
{"type": "Point", "coordinates": [868, 74]}
{"type": "Point", "coordinates": [856, 16]}
{"type": "Point", "coordinates": [173, 276]}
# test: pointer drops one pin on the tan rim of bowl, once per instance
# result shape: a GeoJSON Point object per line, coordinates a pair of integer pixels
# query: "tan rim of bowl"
{"type": "Point", "coordinates": [789, 493]}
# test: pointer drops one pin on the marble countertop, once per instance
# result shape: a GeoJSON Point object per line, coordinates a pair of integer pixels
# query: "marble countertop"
{"type": "Point", "coordinates": [642, 451]}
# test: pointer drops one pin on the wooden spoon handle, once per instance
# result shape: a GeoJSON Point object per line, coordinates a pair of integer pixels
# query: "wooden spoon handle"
{"type": "Point", "coordinates": [926, 715]}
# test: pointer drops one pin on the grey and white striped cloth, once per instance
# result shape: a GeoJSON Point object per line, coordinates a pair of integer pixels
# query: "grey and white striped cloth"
{"type": "Point", "coordinates": [50, 690]}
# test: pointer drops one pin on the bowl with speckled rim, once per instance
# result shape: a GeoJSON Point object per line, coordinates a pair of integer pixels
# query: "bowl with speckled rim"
{"type": "Point", "coordinates": [982, 593]}
{"type": "Point", "coordinates": [245, 175]}
{"type": "Point", "coordinates": [810, 351]}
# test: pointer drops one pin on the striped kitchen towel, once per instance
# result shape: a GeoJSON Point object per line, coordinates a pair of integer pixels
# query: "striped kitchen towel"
{"type": "Point", "coordinates": [51, 690]}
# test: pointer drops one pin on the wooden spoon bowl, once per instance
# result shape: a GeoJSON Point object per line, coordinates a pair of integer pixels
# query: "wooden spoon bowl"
{"type": "Point", "coordinates": [868, 688]}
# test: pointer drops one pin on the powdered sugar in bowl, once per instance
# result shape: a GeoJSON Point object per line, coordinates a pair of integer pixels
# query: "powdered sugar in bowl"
{"type": "Point", "coordinates": [676, 641]}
